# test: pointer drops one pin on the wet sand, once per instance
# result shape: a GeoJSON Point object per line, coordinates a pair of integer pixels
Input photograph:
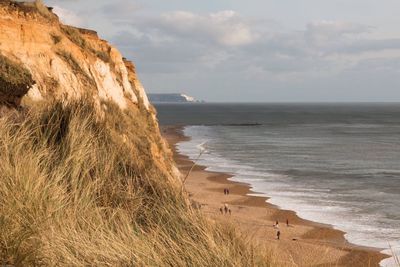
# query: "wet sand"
{"type": "Point", "coordinates": [302, 243]}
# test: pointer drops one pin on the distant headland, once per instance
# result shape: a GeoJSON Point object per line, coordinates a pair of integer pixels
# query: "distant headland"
{"type": "Point", "coordinates": [173, 98]}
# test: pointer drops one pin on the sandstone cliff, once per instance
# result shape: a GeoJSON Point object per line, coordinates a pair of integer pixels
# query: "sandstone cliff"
{"type": "Point", "coordinates": [65, 61]}
{"type": "Point", "coordinates": [42, 59]}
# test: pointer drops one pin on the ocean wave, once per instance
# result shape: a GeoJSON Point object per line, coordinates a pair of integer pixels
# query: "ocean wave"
{"type": "Point", "coordinates": [311, 201]}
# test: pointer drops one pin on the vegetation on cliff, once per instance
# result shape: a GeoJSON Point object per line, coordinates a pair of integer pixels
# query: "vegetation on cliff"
{"type": "Point", "coordinates": [81, 189]}
{"type": "Point", "coordinates": [15, 81]}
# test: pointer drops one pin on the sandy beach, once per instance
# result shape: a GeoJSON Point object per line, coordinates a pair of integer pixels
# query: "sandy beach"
{"type": "Point", "coordinates": [302, 242]}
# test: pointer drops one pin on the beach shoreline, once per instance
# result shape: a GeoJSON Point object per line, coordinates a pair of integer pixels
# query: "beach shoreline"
{"type": "Point", "coordinates": [302, 243]}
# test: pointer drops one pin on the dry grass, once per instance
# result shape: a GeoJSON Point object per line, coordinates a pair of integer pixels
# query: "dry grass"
{"type": "Point", "coordinates": [42, 9]}
{"type": "Point", "coordinates": [76, 68]}
{"type": "Point", "coordinates": [74, 36]}
{"type": "Point", "coordinates": [103, 56]}
{"type": "Point", "coordinates": [14, 78]}
{"type": "Point", "coordinates": [78, 190]}
{"type": "Point", "coordinates": [56, 38]}
{"type": "Point", "coordinates": [51, 83]}
{"type": "Point", "coordinates": [36, 6]}
{"type": "Point", "coordinates": [69, 58]}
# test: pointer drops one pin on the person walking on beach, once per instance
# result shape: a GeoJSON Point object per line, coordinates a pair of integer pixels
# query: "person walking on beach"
{"type": "Point", "coordinates": [226, 208]}
{"type": "Point", "coordinates": [221, 210]}
{"type": "Point", "coordinates": [287, 222]}
{"type": "Point", "coordinates": [230, 212]}
{"type": "Point", "coordinates": [278, 234]}
{"type": "Point", "coordinates": [227, 191]}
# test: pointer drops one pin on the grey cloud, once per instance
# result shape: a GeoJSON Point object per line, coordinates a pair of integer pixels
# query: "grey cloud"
{"type": "Point", "coordinates": [321, 33]}
{"type": "Point", "coordinates": [391, 64]}
{"type": "Point", "coordinates": [167, 47]}
{"type": "Point", "coordinates": [120, 10]}
{"type": "Point", "coordinates": [368, 45]}
{"type": "Point", "coordinates": [68, 17]}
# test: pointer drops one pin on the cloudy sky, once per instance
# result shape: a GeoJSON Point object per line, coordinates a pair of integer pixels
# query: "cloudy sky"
{"type": "Point", "coordinates": [254, 50]}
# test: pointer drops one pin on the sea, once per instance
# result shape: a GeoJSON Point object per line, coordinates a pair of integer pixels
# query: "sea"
{"type": "Point", "coordinates": [332, 163]}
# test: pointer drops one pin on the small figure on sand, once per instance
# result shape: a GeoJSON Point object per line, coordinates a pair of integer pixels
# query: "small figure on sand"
{"type": "Point", "coordinates": [230, 212]}
{"type": "Point", "coordinates": [276, 225]}
{"type": "Point", "coordinates": [227, 191]}
{"type": "Point", "coordinates": [226, 208]}
{"type": "Point", "coordinates": [287, 222]}
{"type": "Point", "coordinates": [221, 210]}
{"type": "Point", "coordinates": [278, 234]}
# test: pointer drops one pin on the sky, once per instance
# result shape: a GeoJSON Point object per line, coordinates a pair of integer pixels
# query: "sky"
{"type": "Point", "coordinates": [254, 50]}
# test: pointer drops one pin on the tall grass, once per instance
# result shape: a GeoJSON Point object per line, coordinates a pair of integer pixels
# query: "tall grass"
{"type": "Point", "coordinates": [81, 189]}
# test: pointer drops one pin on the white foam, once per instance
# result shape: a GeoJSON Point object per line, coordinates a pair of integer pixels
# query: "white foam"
{"type": "Point", "coordinates": [308, 202]}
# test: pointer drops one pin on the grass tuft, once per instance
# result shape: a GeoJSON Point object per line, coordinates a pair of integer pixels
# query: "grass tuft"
{"type": "Point", "coordinates": [74, 36]}
{"type": "Point", "coordinates": [15, 80]}
{"type": "Point", "coordinates": [69, 58]}
{"type": "Point", "coordinates": [36, 6]}
{"type": "Point", "coordinates": [56, 38]}
{"type": "Point", "coordinates": [103, 56]}
{"type": "Point", "coordinates": [76, 68]}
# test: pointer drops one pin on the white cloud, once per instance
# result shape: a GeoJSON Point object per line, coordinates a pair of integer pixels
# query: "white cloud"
{"type": "Point", "coordinates": [226, 27]}
{"type": "Point", "coordinates": [68, 17]}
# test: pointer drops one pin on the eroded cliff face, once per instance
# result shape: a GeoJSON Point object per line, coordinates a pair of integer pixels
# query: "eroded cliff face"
{"type": "Point", "coordinates": [65, 61]}
{"type": "Point", "coordinates": [42, 59]}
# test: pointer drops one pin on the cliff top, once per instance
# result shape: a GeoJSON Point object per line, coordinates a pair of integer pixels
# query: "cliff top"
{"type": "Point", "coordinates": [63, 61]}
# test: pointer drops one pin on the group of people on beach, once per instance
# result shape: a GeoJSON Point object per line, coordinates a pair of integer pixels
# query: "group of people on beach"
{"type": "Point", "coordinates": [278, 231]}
{"type": "Point", "coordinates": [225, 209]}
